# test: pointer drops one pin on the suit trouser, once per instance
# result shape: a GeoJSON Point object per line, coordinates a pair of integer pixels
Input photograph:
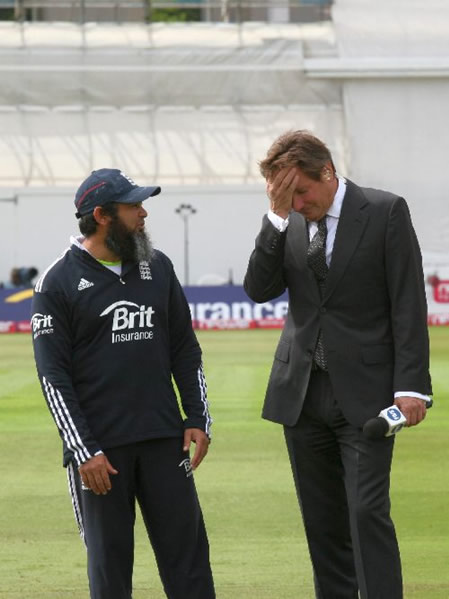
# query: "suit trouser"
{"type": "Point", "coordinates": [342, 481]}
{"type": "Point", "coordinates": [156, 474]}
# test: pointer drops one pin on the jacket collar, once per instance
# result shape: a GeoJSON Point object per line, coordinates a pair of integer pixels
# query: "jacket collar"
{"type": "Point", "coordinates": [352, 222]}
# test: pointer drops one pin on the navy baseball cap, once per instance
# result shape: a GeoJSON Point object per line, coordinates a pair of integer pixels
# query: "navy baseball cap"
{"type": "Point", "coordinates": [109, 185]}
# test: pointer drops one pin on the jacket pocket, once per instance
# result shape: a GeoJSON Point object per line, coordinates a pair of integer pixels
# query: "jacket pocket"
{"type": "Point", "coordinates": [377, 354]}
{"type": "Point", "coordinates": [282, 351]}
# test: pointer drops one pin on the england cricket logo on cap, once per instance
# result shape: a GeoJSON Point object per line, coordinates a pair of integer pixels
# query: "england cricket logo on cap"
{"type": "Point", "coordinates": [128, 179]}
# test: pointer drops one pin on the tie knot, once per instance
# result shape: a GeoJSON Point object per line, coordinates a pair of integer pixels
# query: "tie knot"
{"type": "Point", "coordinates": [322, 226]}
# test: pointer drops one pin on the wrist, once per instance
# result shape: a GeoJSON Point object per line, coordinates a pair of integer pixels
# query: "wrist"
{"type": "Point", "coordinates": [280, 212]}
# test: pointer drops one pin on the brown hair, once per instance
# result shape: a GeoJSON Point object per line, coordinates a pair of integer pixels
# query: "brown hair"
{"type": "Point", "coordinates": [296, 148]}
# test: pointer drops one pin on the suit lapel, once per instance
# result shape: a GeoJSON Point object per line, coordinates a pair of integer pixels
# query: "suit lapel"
{"type": "Point", "coordinates": [352, 222]}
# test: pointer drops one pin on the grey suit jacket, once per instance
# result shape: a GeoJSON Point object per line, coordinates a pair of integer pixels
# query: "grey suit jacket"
{"type": "Point", "coordinates": [373, 313]}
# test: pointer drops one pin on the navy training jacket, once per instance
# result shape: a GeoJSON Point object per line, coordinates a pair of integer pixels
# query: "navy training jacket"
{"type": "Point", "coordinates": [106, 348]}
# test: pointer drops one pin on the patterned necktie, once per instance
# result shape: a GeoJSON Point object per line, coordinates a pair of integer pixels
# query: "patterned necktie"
{"type": "Point", "coordinates": [316, 259]}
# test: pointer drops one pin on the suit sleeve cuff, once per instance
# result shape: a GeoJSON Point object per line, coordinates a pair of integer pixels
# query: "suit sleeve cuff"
{"type": "Point", "coordinates": [277, 221]}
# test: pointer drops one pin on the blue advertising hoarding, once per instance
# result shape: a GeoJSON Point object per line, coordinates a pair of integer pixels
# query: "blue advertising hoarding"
{"type": "Point", "coordinates": [217, 307]}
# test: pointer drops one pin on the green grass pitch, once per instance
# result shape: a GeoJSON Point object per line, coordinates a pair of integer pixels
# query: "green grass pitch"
{"type": "Point", "coordinates": [258, 549]}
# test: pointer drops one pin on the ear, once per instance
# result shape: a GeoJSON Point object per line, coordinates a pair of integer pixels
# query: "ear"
{"type": "Point", "coordinates": [327, 172]}
{"type": "Point", "coordinates": [100, 217]}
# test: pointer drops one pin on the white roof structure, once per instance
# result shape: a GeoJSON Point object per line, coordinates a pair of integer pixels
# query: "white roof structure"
{"type": "Point", "coordinates": [184, 103]}
{"type": "Point", "coordinates": [194, 106]}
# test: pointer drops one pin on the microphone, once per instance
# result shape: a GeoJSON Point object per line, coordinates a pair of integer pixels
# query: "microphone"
{"type": "Point", "coordinates": [389, 422]}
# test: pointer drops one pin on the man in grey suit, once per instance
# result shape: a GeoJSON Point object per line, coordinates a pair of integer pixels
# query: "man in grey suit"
{"type": "Point", "coordinates": [355, 342]}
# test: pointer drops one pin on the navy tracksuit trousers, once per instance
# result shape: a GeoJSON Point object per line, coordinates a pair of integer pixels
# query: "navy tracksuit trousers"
{"type": "Point", "coordinates": [157, 473]}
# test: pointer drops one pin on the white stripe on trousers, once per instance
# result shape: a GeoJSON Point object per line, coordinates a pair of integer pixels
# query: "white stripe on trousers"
{"type": "Point", "coordinates": [75, 500]}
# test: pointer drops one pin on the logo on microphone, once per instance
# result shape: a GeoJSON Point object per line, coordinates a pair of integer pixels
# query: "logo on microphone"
{"type": "Point", "coordinates": [395, 420]}
{"type": "Point", "coordinates": [394, 414]}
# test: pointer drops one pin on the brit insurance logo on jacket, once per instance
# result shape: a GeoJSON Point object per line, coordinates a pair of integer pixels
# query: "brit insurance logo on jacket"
{"type": "Point", "coordinates": [42, 324]}
{"type": "Point", "coordinates": [130, 322]}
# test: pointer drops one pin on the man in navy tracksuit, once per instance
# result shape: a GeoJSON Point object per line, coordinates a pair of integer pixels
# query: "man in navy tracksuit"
{"type": "Point", "coordinates": [111, 327]}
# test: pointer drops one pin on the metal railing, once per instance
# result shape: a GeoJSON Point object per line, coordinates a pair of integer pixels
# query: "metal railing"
{"type": "Point", "coordinates": [118, 11]}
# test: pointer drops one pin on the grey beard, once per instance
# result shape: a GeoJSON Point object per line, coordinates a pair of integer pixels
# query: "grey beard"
{"type": "Point", "coordinates": [144, 251]}
{"type": "Point", "coordinates": [129, 246]}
